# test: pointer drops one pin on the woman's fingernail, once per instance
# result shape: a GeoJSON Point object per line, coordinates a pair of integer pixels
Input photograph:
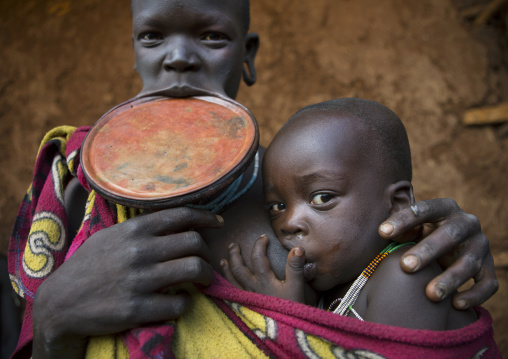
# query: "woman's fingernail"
{"type": "Point", "coordinates": [298, 252]}
{"type": "Point", "coordinates": [220, 219]}
{"type": "Point", "coordinates": [387, 228]}
{"type": "Point", "coordinates": [222, 263]}
{"type": "Point", "coordinates": [232, 245]}
{"type": "Point", "coordinates": [411, 262]}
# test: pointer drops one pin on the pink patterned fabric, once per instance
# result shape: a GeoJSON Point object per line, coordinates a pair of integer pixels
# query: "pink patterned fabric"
{"type": "Point", "coordinates": [349, 336]}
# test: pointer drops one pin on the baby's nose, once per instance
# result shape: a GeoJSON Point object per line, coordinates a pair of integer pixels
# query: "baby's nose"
{"type": "Point", "coordinates": [294, 226]}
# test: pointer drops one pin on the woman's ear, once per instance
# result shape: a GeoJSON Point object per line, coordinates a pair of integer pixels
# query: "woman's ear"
{"type": "Point", "coordinates": [401, 195]}
{"type": "Point", "coordinates": [251, 49]}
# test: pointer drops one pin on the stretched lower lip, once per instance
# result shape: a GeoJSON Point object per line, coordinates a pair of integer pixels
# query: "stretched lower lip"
{"type": "Point", "coordinates": [177, 91]}
{"type": "Point", "coordinates": [309, 271]}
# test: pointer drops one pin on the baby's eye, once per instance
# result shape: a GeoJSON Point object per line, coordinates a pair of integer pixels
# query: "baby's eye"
{"type": "Point", "coordinates": [321, 198]}
{"type": "Point", "coordinates": [276, 208]}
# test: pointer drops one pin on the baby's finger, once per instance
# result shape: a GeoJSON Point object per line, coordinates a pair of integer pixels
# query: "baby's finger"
{"type": "Point", "coordinates": [295, 265]}
{"type": "Point", "coordinates": [228, 274]}
{"type": "Point", "coordinates": [259, 260]}
{"type": "Point", "coordinates": [295, 280]}
{"type": "Point", "coordinates": [243, 276]}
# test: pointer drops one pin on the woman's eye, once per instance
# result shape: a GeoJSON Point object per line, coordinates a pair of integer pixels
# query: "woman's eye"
{"type": "Point", "coordinates": [321, 198]}
{"type": "Point", "coordinates": [214, 36]}
{"type": "Point", "coordinates": [277, 208]}
{"type": "Point", "coordinates": [150, 37]}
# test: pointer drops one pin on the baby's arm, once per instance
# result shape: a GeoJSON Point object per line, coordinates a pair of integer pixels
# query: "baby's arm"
{"type": "Point", "coordinates": [397, 298]}
{"type": "Point", "coordinates": [263, 279]}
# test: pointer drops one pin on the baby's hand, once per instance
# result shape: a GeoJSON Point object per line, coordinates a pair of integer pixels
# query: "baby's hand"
{"type": "Point", "coordinates": [263, 279]}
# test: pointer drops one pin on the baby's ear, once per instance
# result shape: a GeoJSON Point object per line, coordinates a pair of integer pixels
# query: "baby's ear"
{"type": "Point", "coordinates": [401, 195]}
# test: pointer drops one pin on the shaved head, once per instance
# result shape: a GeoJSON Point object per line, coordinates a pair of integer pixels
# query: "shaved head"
{"type": "Point", "coordinates": [244, 7]}
{"type": "Point", "coordinates": [384, 124]}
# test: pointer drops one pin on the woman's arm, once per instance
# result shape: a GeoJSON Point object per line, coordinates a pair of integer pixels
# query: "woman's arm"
{"type": "Point", "coordinates": [455, 238]}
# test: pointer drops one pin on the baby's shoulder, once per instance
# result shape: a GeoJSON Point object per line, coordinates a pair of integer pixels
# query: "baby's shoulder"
{"type": "Point", "coordinates": [395, 297]}
{"type": "Point", "coordinates": [390, 273]}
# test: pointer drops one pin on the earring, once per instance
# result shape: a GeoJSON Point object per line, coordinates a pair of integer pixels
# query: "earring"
{"type": "Point", "coordinates": [249, 73]}
{"type": "Point", "coordinates": [413, 202]}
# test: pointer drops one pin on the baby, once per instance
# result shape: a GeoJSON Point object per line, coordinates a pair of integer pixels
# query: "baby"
{"type": "Point", "coordinates": [334, 172]}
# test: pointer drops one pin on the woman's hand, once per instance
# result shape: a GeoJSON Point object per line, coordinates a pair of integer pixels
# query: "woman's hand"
{"type": "Point", "coordinates": [455, 239]}
{"type": "Point", "coordinates": [262, 280]}
{"type": "Point", "coordinates": [119, 280]}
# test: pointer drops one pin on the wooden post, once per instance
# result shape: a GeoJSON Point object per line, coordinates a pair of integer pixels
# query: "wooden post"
{"type": "Point", "coordinates": [486, 115]}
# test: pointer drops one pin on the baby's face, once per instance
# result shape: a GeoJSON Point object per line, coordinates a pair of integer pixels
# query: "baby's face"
{"type": "Point", "coordinates": [325, 194]}
{"type": "Point", "coordinates": [189, 44]}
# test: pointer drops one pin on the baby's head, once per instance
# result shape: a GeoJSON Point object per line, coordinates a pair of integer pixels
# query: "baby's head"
{"type": "Point", "coordinates": [183, 45]}
{"type": "Point", "coordinates": [332, 175]}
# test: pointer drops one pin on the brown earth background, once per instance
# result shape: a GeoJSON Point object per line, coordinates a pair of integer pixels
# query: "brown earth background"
{"type": "Point", "coordinates": [69, 61]}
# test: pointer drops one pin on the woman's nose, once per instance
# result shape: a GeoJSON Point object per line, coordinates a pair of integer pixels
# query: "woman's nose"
{"type": "Point", "coordinates": [181, 57]}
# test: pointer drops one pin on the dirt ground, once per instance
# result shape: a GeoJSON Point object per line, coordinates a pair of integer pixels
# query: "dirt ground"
{"type": "Point", "coordinates": [69, 61]}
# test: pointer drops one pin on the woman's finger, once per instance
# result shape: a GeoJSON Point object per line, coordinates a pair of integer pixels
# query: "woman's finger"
{"type": "Point", "coordinates": [469, 260]}
{"type": "Point", "coordinates": [178, 245]}
{"type": "Point", "coordinates": [452, 234]}
{"type": "Point", "coordinates": [171, 273]}
{"type": "Point", "coordinates": [158, 307]}
{"type": "Point", "coordinates": [172, 220]}
{"type": "Point", "coordinates": [485, 286]}
{"type": "Point", "coordinates": [402, 226]}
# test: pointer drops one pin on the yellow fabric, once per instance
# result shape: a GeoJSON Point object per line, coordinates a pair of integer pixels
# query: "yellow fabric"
{"type": "Point", "coordinates": [61, 131]}
{"type": "Point", "coordinates": [48, 232]}
{"type": "Point", "coordinates": [107, 346]}
{"type": "Point", "coordinates": [206, 332]}
{"type": "Point", "coordinates": [203, 332]}
{"type": "Point", "coordinates": [124, 213]}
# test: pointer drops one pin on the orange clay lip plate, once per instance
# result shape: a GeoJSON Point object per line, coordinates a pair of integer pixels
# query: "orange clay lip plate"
{"type": "Point", "coordinates": [161, 152]}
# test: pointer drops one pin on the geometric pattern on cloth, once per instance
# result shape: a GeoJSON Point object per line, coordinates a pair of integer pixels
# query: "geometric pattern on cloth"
{"type": "Point", "coordinates": [39, 243]}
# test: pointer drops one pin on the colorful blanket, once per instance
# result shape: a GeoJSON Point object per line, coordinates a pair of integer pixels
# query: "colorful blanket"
{"type": "Point", "coordinates": [222, 321]}
{"type": "Point", "coordinates": [39, 243]}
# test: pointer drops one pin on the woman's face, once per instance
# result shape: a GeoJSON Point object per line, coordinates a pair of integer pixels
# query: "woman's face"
{"type": "Point", "coordinates": [181, 45]}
